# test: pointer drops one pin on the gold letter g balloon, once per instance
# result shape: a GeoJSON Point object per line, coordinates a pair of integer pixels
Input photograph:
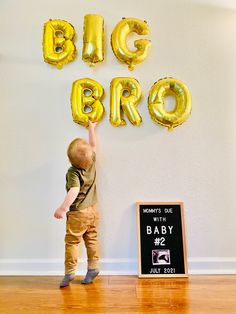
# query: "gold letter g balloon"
{"type": "Point", "coordinates": [119, 41]}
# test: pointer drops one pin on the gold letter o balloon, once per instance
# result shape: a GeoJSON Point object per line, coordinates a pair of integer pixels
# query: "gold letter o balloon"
{"type": "Point", "coordinates": [119, 41]}
{"type": "Point", "coordinates": [156, 102]}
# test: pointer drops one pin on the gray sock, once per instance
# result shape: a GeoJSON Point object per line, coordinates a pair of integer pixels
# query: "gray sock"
{"type": "Point", "coordinates": [91, 274]}
{"type": "Point", "coordinates": [66, 280]}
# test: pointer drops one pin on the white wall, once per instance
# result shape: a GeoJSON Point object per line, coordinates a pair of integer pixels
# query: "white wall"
{"type": "Point", "coordinates": [192, 41]}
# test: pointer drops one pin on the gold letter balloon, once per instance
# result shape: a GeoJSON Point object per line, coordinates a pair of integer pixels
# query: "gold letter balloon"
{"type": "Point", "coordinates": [86, 102]}
{"type": "Point", "coordinates": [58, 46]}
{"type": "Point", "coordinates": [93, 48]}
{"type": "Point", "coordinates": [125, 93]}
{"type": "Point", "coordinates": [156, 102]}
{"type": "Point", "coordinates": [119, 41]}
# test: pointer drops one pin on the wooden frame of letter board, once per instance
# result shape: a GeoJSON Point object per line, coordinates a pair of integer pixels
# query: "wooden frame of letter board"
{"type": "Point", "coordinates": [140, 275]}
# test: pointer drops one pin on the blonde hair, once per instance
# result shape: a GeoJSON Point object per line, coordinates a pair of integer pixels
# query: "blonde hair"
{"type": "Point", "coordinates": [80, 153]}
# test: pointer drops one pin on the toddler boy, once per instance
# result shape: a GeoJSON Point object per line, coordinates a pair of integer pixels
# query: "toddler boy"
{"type": "Point", "coordinates": [80, 208]}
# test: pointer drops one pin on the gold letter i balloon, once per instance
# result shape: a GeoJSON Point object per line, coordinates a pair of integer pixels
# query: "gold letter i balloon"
{"type": "Point", "coordinates": [156, 102]}
{"type": "Point", "coordinates": [86, 102]}
{"type": "Point", "coordinates": [126, 94]}
{"type": "Point", "coordinates": [119, 41]}
{"type": "Point", "coordinates": [58, 46]}
{"type": "Point", "coordinates": [93, 49]}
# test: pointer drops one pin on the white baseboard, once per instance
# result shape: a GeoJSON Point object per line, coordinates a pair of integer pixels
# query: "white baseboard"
{"type": "Point", "coordinates": [212, 265]}
{"type": "Point", "coordinates": [54, 267]}
{"type": "Point", "coordinates": [121, 266]}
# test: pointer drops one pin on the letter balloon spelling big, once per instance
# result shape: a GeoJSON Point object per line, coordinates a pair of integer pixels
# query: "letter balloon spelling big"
{"type": "Point", "coordinates": [156, 102]}
{"type": "Point", "coordinates": [93, 49]}
{"type": "Point", "coordinates": [86, 103]}
{"type": "Point", "coordinates": [58, 46]}
{"type": "Point", "coordinates": [119, 41]}
{"type": "Point", "coordinates": [125, 93]}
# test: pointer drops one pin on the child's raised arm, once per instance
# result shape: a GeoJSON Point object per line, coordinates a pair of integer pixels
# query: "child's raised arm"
{"type": "Point", "coordinates": [92, 136]}
{"type": "Point", "coordinates": [69, 199]}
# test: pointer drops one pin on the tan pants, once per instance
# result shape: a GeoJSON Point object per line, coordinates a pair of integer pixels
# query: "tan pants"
{"type": "Point", "coordinates": [82, 223]}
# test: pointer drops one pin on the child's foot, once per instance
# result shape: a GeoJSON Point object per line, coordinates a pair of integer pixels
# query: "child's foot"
{"type": "Point", "coordinates": [66, 280]}
{"type": "Point", "coordinates": [91, 274]}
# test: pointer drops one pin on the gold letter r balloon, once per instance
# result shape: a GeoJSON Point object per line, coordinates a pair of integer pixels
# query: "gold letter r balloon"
{"type": "Point", "coordinates": [125, 96]}
{"type": "Point", "coordinates": [119, 41]}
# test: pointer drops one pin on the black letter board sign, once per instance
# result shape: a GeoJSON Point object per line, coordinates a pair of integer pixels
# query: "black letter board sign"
{"type": "Point", "coordinates": [161, 240]}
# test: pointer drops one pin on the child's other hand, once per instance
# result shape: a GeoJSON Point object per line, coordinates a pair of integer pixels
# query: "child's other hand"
{"type": "Point", "coordinates": [60, 212]}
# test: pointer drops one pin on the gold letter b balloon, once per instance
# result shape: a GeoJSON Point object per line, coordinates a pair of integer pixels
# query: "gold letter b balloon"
{"type": "Point", "coordinates": [86, 103]}
{"type": "Point", "coordinates": [58, 46]}
{"type": "Point", "coordinates": [156, 102]}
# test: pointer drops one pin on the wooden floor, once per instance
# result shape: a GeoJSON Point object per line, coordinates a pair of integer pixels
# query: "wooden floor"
{"type": "Point", "coordinates": [119, 294]}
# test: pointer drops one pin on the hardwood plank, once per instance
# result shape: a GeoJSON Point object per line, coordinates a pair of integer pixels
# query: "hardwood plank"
{"type": "Point", "coordinates": [119, 294]}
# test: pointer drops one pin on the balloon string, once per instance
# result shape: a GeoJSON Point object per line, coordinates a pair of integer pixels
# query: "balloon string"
{"type": "Point", "coordinates": [91, 64]}
{"type": "Point", "coordinates": [130, 67]}
{"type": "Point", "coordinates": [171, 128]}
{"type": "Point", "coordinates": [59, 66]}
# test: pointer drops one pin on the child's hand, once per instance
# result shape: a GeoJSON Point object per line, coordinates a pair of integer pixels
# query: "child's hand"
{"type": "Point", "coordinates": [60, 212]}
{"type": "Point", "coordinates": [92, 124]}
{"type": "Point", "coordinates": [92, 136]}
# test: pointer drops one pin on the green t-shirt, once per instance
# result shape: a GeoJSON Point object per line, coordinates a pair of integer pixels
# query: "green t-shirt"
{"type": "Point", "coordinates": [85, 180]}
